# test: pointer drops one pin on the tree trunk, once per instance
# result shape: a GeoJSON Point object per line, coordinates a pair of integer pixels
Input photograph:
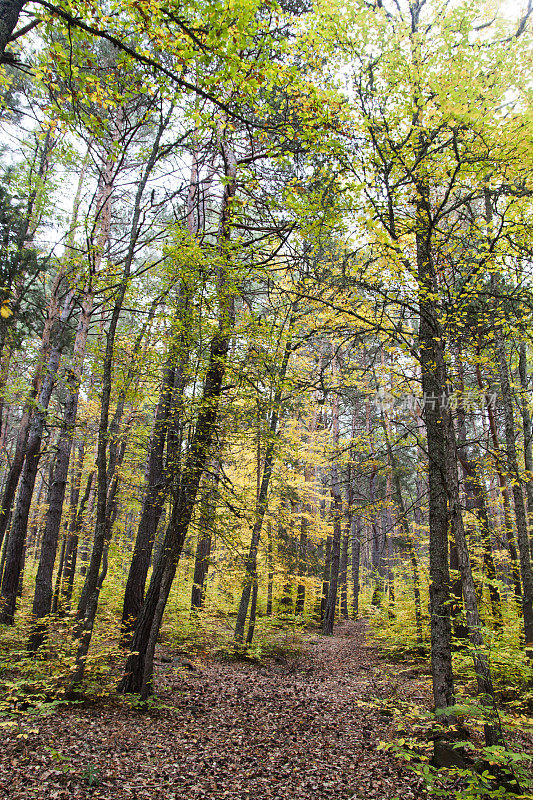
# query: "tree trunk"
{"type": "Point", "coordinates": [13, 474]}
{"type": "Point", "coordinates": [253, 610]}
{"type": "Point", "coordinates": [17, 537]}
{"type": "Point", "coordinates": [404, 524]}
{"type": "Point", "coordinates": [203, 547]}
{"type": "Point", "coordinates": [88, 603]}
{"type": "Point", "coordinates": [154, 498]}
{"type": "Point", "coordinates": [326, 575]}
{"type": "Point", "coordinates": [270, 568]}
{"type": "Point", "coordinates": [344, 574]}
{"type": "Point", "coordinates": [444, 505]}
{"type": "Point", "coordinates": [474, 487]}
{"type": "Point", "coordinates": [76, 474]}
{"type": "Point", "coordinates": [139, 665]}
{"type": "Point", "coordinates": [72, 545]}
{"type": "Point", "coordinates": [42, 600]}
{"type": "Point", "coordinates": [528, 436]}
{"type": "Point", "coordinates": [504, 491]}
{"type": "Point", "coordinates": [331, 602]}
{"type": "Point", "coordinates": [433, 385]}
{"type": "Point", "coordinates": [379, 545]}
{"type": "Point", "coordinates": [262, 500]}
{"type": "Point", "coordinates": [493, 733]}
{"type": "Point", "coordinates": [355, 532]}
{"type": "Point", "coordinates": [10, 11]}
{"type": "Point", "coordinates": [302, 549]}
{"type": "Point", "coordinates": [518, 497]}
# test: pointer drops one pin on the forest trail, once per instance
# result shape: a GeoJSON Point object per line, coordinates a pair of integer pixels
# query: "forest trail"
{"type": "Point", "coordinates": [295, 729]}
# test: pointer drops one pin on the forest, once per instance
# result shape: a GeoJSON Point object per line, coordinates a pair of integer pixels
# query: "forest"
{"type": "Point", "coordinates": [266, 409]}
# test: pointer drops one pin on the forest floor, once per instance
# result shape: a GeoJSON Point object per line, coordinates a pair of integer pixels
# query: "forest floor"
{"type": "Point", "coordinates": [291, 728]}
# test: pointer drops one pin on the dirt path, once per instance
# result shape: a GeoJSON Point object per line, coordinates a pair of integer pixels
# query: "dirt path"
{"type": "Point", "coordinates": [293, 730]}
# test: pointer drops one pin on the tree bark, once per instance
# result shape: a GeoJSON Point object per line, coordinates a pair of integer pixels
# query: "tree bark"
{"type": "Point", "coordinates": [262, 499]}
{"type": "Point", "coordinates": [331, 602]}
{"type": "Point", "coordinates": [51, 324]}
{"type": "Point", "coordinates": [327, 568]}
{"type": "Point", "coordinates": [203, 548]}
{"type": "Point", "coordinates": [72, 544]}
{"type": "Point", "coordinates": [42, 600]}
{"type": "Point", "coordinates": [17, 537]}
{"type": "Point", "coordinates": [139, 665]}
{"type": "Point", "coordinates": [253, 611]}
{"type": "Point", "coordinates": [504, 491]}
{"type": "Point", "coordinates": [302, 549]}
{"type": "Point", "coordinates": [528, 436]}
{"type": "Point", "coordinates": [518, 497]}
{"type": "Point", "coordinates": [433, 384]}
{"type": "Point", "coordinates": [404, 524]}
{"type": "Point", "coordinates": [10, 11]}
{"type": "Point", "coordinates": [154, 498]}
{"type": "Point", "coordinates": [88, 603]}
{"type": "Point", "coordinates": [270, 568]}
{"type": "Point", "coordinates": [344, 574]}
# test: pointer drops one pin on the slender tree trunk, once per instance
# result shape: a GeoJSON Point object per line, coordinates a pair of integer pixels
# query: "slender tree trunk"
{"type": "Point", "coordinates": [518, 497]}
{"type": "Point", "coordinates": [474, 486]}
{"type": "Point", "coordinates": [203, 548]}
{"type": "Point", "coordinates": [53, 321]}
{"type": "Point", "coordinates": [404, 525]}
{"type": "Point", "coordinates": [139, 665]}
{"type": "Point", "coordinates": [17, 537]}
{"type": "Point", "coordinates": [524, 545]}
{"type": "Point", "coordinates": [344, 574]}
{"type": "Point", "coordinates": [73, 542]}
{"type": "Point", "coordinates": [502, 484]}
{"type": "Point", "coordinates": [355, 532]}
{"type": "Point", "coordinates": [154, 498]}
{"type": "Point", "coordinates": [326, 575]}
{"type": "Point", "coordinates": [42, 600]}
{"type": "Point", "coordinates": [270, 568]}
{"type": "Point", "coordinates": [460, 629]}
{"type": "Point", "coordinates": [302, 550]}
{"type": "Point", "coordinates": [262, 500]}
{"type": "Point", "coordinates": [433, 385]}
{"type": "Point", "coordinates": [528, 436]}
{"type": "Point", "coordinates": [379, 544]}
{"type": "Point", "coordinates": [331, 602]}
{"type": "Point", "coordinates": [475, 499]}
{"type": "Point", "coordinates": [59, 576]}
{"type": "Point", "coordinates": [493, 733]}
{"type": "Point", "coordinates": [33, 533]}
{"type": "Point", "coordinates": [76, 475]}
{"type": "Point", "coordinates": [253, 611]}
{"type": "Point", "coordinates": [13, 475]}
{"type": "Point", "coordinates": [88, 603]}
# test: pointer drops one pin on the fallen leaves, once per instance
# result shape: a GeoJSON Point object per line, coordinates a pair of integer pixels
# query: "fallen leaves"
{"type": "Point", "coordinates": [297, 729]}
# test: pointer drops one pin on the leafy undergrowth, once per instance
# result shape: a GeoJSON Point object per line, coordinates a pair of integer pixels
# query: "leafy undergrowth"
{"type": "Point", "coordinates": [33, 685]}
{"type": "Point", "coordinates": [207, 637]}
{"type": "Point", "coordinates": [296, 715]}
{"type": "Point", "coordinates": [297, 725]}
{"type": "Point", "coordinates": [452, 760]}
